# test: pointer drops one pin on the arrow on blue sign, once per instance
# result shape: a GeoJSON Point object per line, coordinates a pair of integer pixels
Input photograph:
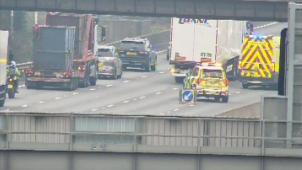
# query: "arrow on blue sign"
{"type": "Point", "coordinates": [187, 96]}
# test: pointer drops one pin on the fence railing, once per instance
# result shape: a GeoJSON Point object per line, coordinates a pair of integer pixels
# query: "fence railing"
{"type": "Point", "coordinates": [98, 132]}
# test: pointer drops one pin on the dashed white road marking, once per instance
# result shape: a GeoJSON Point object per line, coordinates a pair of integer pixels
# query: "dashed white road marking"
{"type": "Point", "coordinates": [24, 106]}
{"type": "Point", "coordinates": [65, 96]}
{"type": "Point", "coordinates": [142, 97]}
{"type": "Point", "coordinates": [7, 110]}
{"type": "Point", "coordinates": [92, 89]}
{"type": "Point", "coordinates": [176, 88]}
{"type": "Point", "coordinates": [58, 98]}
{"type": "Point", "coordinates": [75, 94]}
{"type": "Point", "coordinates": [238, 92]}
{"type": "Point", "coordinates": [109, 85]}
{"type": "Point", "coordinates": [134, 99]}
{"type": "Point", "coordinates": [93, 110]}
{"type": "Point", "coordinates": [110, 106]}
{"type": "Point", "coordinates": [126, 101]}
{"type": "Point", "coordinates": [192, 105]}
{"type": "Point", "coordinates": [175, 110]}
{"type": "Point", "coordinates": [161, 72]}
{"type": "Point", "coordinates": [158, 93]}
{"type": "Point", "coordinates": [41, 102]}
{"type": "Point", "coordinates": [144, 76]}
{"type": "Point", "coordinates": [126, 81]}
{"type": "Point", "coordinates": [162, 114]}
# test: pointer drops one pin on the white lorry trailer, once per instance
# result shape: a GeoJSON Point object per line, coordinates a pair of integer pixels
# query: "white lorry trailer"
{"type": "Point", "coordinates": [3, 62]}
{"type": "Point", "coordinates": [195, 41]}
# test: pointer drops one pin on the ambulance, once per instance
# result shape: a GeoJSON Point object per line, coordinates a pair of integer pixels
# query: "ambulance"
{"type": "Point", "coordinates": [259, 61]}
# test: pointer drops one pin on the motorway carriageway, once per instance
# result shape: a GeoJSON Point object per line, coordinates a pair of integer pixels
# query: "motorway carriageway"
{"type": "Point", "coordinates": [137, 92]}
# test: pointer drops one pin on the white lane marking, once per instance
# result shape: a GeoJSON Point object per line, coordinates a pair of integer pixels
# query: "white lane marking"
{"type": "Point", "coordinates": [93, 110]}
{"type": "Point", "coordinates": [158, 93]}
{"type": "Point", "coordinates": [92, 89]}
{"type": "Point", "coordinates": [192, 105]}
{"type": "Point", "coordinates": [237, 92]}
{"type": "Point", "coordinates": [161, 51]}
{"type": "Point", "coordinates": [161, 72]}
{"type": "Point", "coordinates": [100, 87]}
{"type": "Point", "coordinates": [134, 99]}
{"type": "Point", "coordinates": [41, 102]}
{"type": "Point", "coordinates": [103, 107]}
{"type": "Point", "coordinates": [162, 114]}
{"type": "Point", "coordinates": [75, 94]}
{"type": "Point", "coordinates": [126, 81]}
{"type": "Point", "coordinates": [109, 85]}
{"type": "Point", "coordinates": [21, 86]}
{"type": "Point", "coordinates": [7, 110]}
{"type": "Point", "coordinates": [142, 97]}
{"type": "Point", "coordinates": [266, 25]}
{"type": "Point", "coordinates": [65, 96]}
{"type": "Point", "coordinates": [168, 112]}
{"type": "Point", "coordinates": [110, 105]}
{"type": "Point", "coordinates": [144, 76]}
{"type": "Point", "coordinates": [126, 101]}
{"type": "Point", "coordinates": [175, 88]}
{"type": "Point", "coordinates": [230, 94]}
{"type": "Point", "coordinates": [175, 110]}
{"type": "Point", "coordinates": [58, 98]}
{"type": "Point", "coordinates": [24, 106]}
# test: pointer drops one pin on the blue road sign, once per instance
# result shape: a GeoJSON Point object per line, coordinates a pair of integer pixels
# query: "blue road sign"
{"type": "Point", "coordinates": [187, 96]}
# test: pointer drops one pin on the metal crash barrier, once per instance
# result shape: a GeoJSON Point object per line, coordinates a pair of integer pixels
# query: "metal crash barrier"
{"type": "Point", "coordinates": [98, 132]}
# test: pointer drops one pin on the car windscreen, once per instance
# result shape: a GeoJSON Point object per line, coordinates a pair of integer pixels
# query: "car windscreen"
{"type": "Point", "coordinates": [105, 53]}
{"type": "Point", "coordinates": [212, 74]}
{"type": "Point", "coordinates": [130, 45]}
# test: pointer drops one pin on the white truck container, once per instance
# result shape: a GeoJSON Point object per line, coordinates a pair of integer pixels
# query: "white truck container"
{"type": "Point", "coordinates": [198, 40]}
{"type": "Point", "coordinates": [3, 62]}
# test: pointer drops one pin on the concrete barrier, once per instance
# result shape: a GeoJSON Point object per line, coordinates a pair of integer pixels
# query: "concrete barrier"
{"type": "Point", "coordinates": [251, 111]}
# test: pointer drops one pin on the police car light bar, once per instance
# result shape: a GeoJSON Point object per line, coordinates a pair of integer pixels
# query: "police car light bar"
{"type": "Point", "coordinates": [212, 64]}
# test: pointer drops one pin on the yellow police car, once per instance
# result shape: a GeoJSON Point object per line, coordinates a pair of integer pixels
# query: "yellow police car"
{"type": "Point", "coordinates": [209, 80]}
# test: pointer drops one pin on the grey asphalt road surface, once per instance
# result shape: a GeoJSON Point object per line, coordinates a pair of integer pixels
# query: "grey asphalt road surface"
{"type": "Point", "coordinates": [137, 92]}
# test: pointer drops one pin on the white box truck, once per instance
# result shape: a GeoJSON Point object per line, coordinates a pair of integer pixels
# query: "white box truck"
{"type": "Point", "coordinates": [194, 41]}
{"type": "Point", "coordinates": [3, 62]}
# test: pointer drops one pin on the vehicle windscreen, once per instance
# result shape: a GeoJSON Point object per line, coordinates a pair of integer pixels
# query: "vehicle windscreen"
{"type": "Point", "coordinates": [130, 45]}
{"type": "Point", "coordinates": [212, 74]}
{"type": "Point", "coordinates": [105, 53]}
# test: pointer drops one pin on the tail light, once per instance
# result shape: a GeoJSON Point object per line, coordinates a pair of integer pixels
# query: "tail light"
{"type": "Point", "coordinates": [29, 72]}
{"type": "Point", "coordinates": [67, 74]}
{"type": "Point", "coordinates": [81, 68]}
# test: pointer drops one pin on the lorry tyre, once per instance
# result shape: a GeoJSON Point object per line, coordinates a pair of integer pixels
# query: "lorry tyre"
{"type": "Point", "coordinates": [245, 86]}
{"type": "Point", "coordinates": [93, 81]}
{"type": "Point", "coordinates": [216, 98]}
{"type": "Point", "coordinates": [179, 79]}
{"type": "Point", "coordinates": [71, 85]}
{"type": "Point", "coordinates": [2, 103]}
{"type": "Point", "coordinates": [225, 99]}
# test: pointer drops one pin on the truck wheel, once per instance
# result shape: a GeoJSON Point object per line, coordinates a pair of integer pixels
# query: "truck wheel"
{"type": "Point", "coordinates": [225, 99]}
{"type": "Point", "coordinates": [71, 86]}
{"type": "Point", "coordinates": [245, 86]}
{"type": "Point", "coordinates": [179, 79]}
{"type": "Point", "coordinates": [93, 81]}
{"type": "Point", "coordinates": [2, 103]}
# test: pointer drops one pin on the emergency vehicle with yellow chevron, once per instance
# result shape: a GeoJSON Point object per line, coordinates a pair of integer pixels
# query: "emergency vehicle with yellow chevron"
{"type": "Point", "coordinates": [259, 61]}
{"type": "Point", "coordinates": [209, 81]}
